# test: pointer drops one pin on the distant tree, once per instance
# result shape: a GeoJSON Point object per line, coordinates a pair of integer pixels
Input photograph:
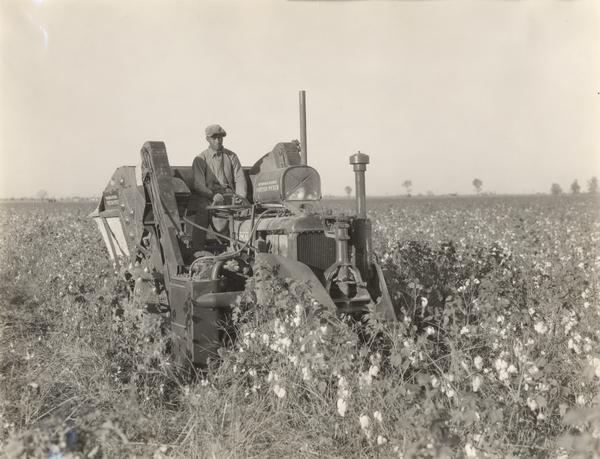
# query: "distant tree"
{"type": "Point", "coordinates": [430, 193]}
{"type": "Point", "coordinates": [41, 194]}
{"type": "Point", "coordinates": [348, 190]}
{"type": "Point", "coordinates": [593, 185]}
{"type": "Point", "coordinates": [575, 188]}
{"type": "Point", "coordinates": [408, 185]}
{"type": "Point", "coordinates": [555, 189]}
{"type": "Point", "coordinates": [477, 184]}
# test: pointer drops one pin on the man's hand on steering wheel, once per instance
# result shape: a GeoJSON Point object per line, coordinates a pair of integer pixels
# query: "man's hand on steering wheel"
{"type": "Point", "coordinates": [229, 199]}
{"type": "Point", "coordinates": [218, 199]}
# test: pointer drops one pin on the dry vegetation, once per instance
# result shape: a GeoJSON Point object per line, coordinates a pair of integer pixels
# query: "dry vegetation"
{"type": "Point", "coordinates": [497, 352]}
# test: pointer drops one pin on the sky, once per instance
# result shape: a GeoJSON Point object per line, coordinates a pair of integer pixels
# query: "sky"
{"type": "Point", "coordinates": [436, 92]}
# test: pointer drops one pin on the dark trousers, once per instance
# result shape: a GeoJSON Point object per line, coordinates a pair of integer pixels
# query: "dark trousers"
{"type": "Point", "coordinates": [199, 215]}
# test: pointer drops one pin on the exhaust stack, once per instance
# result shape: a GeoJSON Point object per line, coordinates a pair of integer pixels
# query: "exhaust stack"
{"type": "Point", "coordinates": [303, 127]}
{"type": "Point", "coordinates": [359, 162]}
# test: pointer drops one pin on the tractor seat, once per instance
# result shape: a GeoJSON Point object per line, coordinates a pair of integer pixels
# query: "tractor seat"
{"type": "Point", "coordinates": [184, 173]}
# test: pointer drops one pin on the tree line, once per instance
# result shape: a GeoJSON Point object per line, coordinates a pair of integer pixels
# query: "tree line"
{"type": "Point", "coordinates": [592, 187]}
{"type": "Point", "coordinates": [555, 189]}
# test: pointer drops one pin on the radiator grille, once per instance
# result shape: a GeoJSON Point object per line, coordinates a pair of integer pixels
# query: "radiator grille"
{"type": "Point", "coordinates": [316, 251]}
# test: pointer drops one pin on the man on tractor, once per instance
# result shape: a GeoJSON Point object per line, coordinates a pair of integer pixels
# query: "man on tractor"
{"type": "Point", "coordinates": [216, 171]}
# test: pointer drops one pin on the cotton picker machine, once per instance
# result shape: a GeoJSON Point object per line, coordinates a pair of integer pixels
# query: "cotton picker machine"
{"type": "Point", "coordinates": [146, 225]}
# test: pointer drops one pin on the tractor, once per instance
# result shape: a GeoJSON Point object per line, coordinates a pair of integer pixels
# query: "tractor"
{"type": "Point", "coordinates": [146, 224]}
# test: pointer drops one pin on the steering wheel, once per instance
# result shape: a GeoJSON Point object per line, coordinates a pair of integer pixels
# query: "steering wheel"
{"type": "Point", "coordinates": [231, 203]}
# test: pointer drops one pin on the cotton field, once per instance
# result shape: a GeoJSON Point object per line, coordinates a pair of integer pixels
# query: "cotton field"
{"type": "Point", "coordinates": [496, 353]}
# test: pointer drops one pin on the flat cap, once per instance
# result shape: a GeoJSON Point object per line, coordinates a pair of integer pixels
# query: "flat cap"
{"type": "Point", "coordinates": [214, 130]}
